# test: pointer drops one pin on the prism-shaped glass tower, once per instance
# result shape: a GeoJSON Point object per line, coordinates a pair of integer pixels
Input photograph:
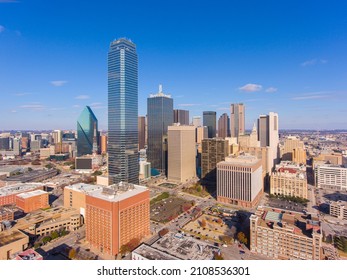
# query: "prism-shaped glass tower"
{"type": "Point", "coordinates": [87, 132]}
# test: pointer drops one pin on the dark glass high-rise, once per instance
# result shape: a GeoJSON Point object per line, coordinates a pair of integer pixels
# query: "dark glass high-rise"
{"type": "Point", "coordinates": [209, 120]}
{"type": "Point", "coordinates": [122, 112]}
{"type": "Point", "coordinates": [159, 117]}
{"type": "Point", "coordinates": [87, 124]}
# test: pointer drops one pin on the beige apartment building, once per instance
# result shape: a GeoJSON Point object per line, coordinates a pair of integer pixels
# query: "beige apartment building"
{"type": "Point", "coordinates": [181, 153]}
{"type": "Point", "coordinates": [284, 235]}
{"type": "Point", "coordinates": [289, 179]}
{"type": "Point", "coordinates": [240, 181]}
{"type": "Point", "coordinates": [338, 209]}
{"type": "Point", "coordinates": [291, 143]}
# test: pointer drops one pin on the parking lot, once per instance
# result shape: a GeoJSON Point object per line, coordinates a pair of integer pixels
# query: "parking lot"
{"type": "Point", "coordinates": [168, 209]}
{"type": "Point", "coordinates": [285, 205]}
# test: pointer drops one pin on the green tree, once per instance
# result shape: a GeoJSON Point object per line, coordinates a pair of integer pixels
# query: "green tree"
{"type": "Point", "coordinates": [46, 239]}
{"type": "Point", "coordinates": [54, 235]}
{"type": "Point", "coordinates": [242, 237]}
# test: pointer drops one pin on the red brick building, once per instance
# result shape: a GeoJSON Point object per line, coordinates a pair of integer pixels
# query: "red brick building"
{"type": "Point", "coordinates": [115, 215]}
{"type": "Point", "coordinates": [31, 201]}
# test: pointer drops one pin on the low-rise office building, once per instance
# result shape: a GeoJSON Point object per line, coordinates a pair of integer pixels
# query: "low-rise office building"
{"type": "Point", "coordinates": [329, 176]}
{"type": "Point", "coordinates": [31, 201]}
{"type": "Point", "coordinates": [289, 179]}
{"type": "Point", "coordinates": [240, 181]}
{"type": "Point", "coordinates": [285, 235]}
{"type": "Point", "coordinates": [8, 194]}
{"type": "Point", "coordinates": [338, 209]}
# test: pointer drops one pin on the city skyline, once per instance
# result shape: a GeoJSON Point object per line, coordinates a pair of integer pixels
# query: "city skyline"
{"type": "Point", "coordinates": [292, 63]}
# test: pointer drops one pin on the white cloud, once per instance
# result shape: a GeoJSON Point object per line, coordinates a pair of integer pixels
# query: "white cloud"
{"type": "Point", "coordinates": [188, 104]}
{"type": "Point", "coordinates": [33, 106]}
{"type": "Point", "coordinates": [310, 97]}
{"type": "Point", "coordinates": [97, 105]}
{"type": "Point", "coordinates": [75, 106]}
{"type": "Point", "coordinates": [271, 89]}
{"type": "Point", "coordinates": [251, 87]}
{"type": "Point", "coordinates": [313, 62]}
{"type": "Point", "coordinates": [82, 97]}
{"type": "Point", "coordinates": [22, 93]}
{"type": "Point", "coordinates": [2, 29]}
{"type": "Point", "coordinates": [58, 83]}
{"type": "Point", "coordinates": [13, 111]}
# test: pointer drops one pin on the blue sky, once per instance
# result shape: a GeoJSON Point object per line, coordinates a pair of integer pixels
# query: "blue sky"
{"type": "Point", "coordinates": [284, 56]}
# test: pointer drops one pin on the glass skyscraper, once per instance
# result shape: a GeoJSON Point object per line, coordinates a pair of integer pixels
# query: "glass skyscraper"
{"type": "Point", "coordinates": [209, 120]}
{"type": "Point", "coordinates": [87, 124]}
{"type": "Point", "coordinates": [122, 112]}
{"type": "Point", "coordinates": [159, 117]}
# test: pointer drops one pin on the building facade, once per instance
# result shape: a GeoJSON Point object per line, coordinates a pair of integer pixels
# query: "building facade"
{"type": "Point", "coordinates": [181, 116]}
{"type": "Point", "coordinates": [329, 176]}
{"type": "Point", "coordinates": [115, 215]}
{"type": "Point", "coordinates": [213, 151]}
{"type": "Point", "coordinates": [338, 209]}
{"type": "Point", "coordinates": [181, 153]}
{"type": "Point", "coordinates": [31, 201]}
{"type": "Point", "coordinates": [289, 179]}
{"type": "Point", "coordinates": [209, 120]}
{"type": "Point", "coordinates": [123, 112]}
{"type": "Point", "coordinates": [142, 131]}
{"type": "Point", "coordinates": [240, 181]}
{"type": "Point", "coordinates": [287, 236]}
{"type": "Point", "coordinates": [224, 126]}
{"type": "Point", "coordinates": [159, 117]}
{"type": "Point", "coordinates": [237, 119]}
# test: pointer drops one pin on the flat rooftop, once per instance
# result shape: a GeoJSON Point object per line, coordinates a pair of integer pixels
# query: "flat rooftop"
{"type": "Point", "coordinates": [9, 236]}
{"type": "Point", "coordinates": [45, 216]}
{"type": "Point", "coordinates": [31, 194]}
{"type": "Point", "coordinates": [118, 192]}
{"type": "Point", "coordinates": [242, 160]}
{"type": "Point", "coordinates": [185, 248]}
{"type": "Point", "coordinates": [28, 255]}
{"type": "Point", "coordinates": [18, 188]}
{"type": "Point", "coordinates": [290, 221]}
{"type": "Point", "coordinates": [84, 188]}
{"type": "Point", "coordinates": [151, 253]}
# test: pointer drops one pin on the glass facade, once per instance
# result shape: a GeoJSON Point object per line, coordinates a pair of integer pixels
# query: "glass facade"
{"type": "Point", "coordinates": [159, 117]}
{"type": "Point", "coordinates": [209, 120]}
{"type": "Point", "coordinates": [122, 112]}
{"type": "Point", "coordinates": [85, 131]}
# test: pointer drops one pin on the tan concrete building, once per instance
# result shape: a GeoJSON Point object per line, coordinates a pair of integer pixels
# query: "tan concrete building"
{"type": "Point", "coordinates": [31, 201]}
{"type": "Point", "coordinates": [201, 133]}
{"type": "Point", "coordinates": [249, 140]}
{"type": "Point", "coordinates": [115, 215]}
{"type": "Point", "coordinates": [75, 196]}
{"type": "Point", "coordinates": [292, 143]}
{"type": "Point", "coordinates": [240, 181]}
{"type": "Point", "coordinates": [103, 144]}
{"type": "Point", "coordinates": [44, 222]}
{"type": "Point", "coordinates": [12, 242]}
{"type": "Point", "coordinates": [289, 179]}
{"type": "Point", "coordinates": [181, 153]}
{"type": "Point", "coordinates": [299, 156]}
{"type": "Point", "coordinates": [284, 235]}
{"type": "Point", "coordinates": [214, 150]}
{"type": "Point", "coordinates": [338, 209]}
{"type": "Point", "coordinates": [237, 120]}
{"type": "Point", "coordinates": [6, 214]}
{"type": "Point", "coordinates": [45, 153]}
